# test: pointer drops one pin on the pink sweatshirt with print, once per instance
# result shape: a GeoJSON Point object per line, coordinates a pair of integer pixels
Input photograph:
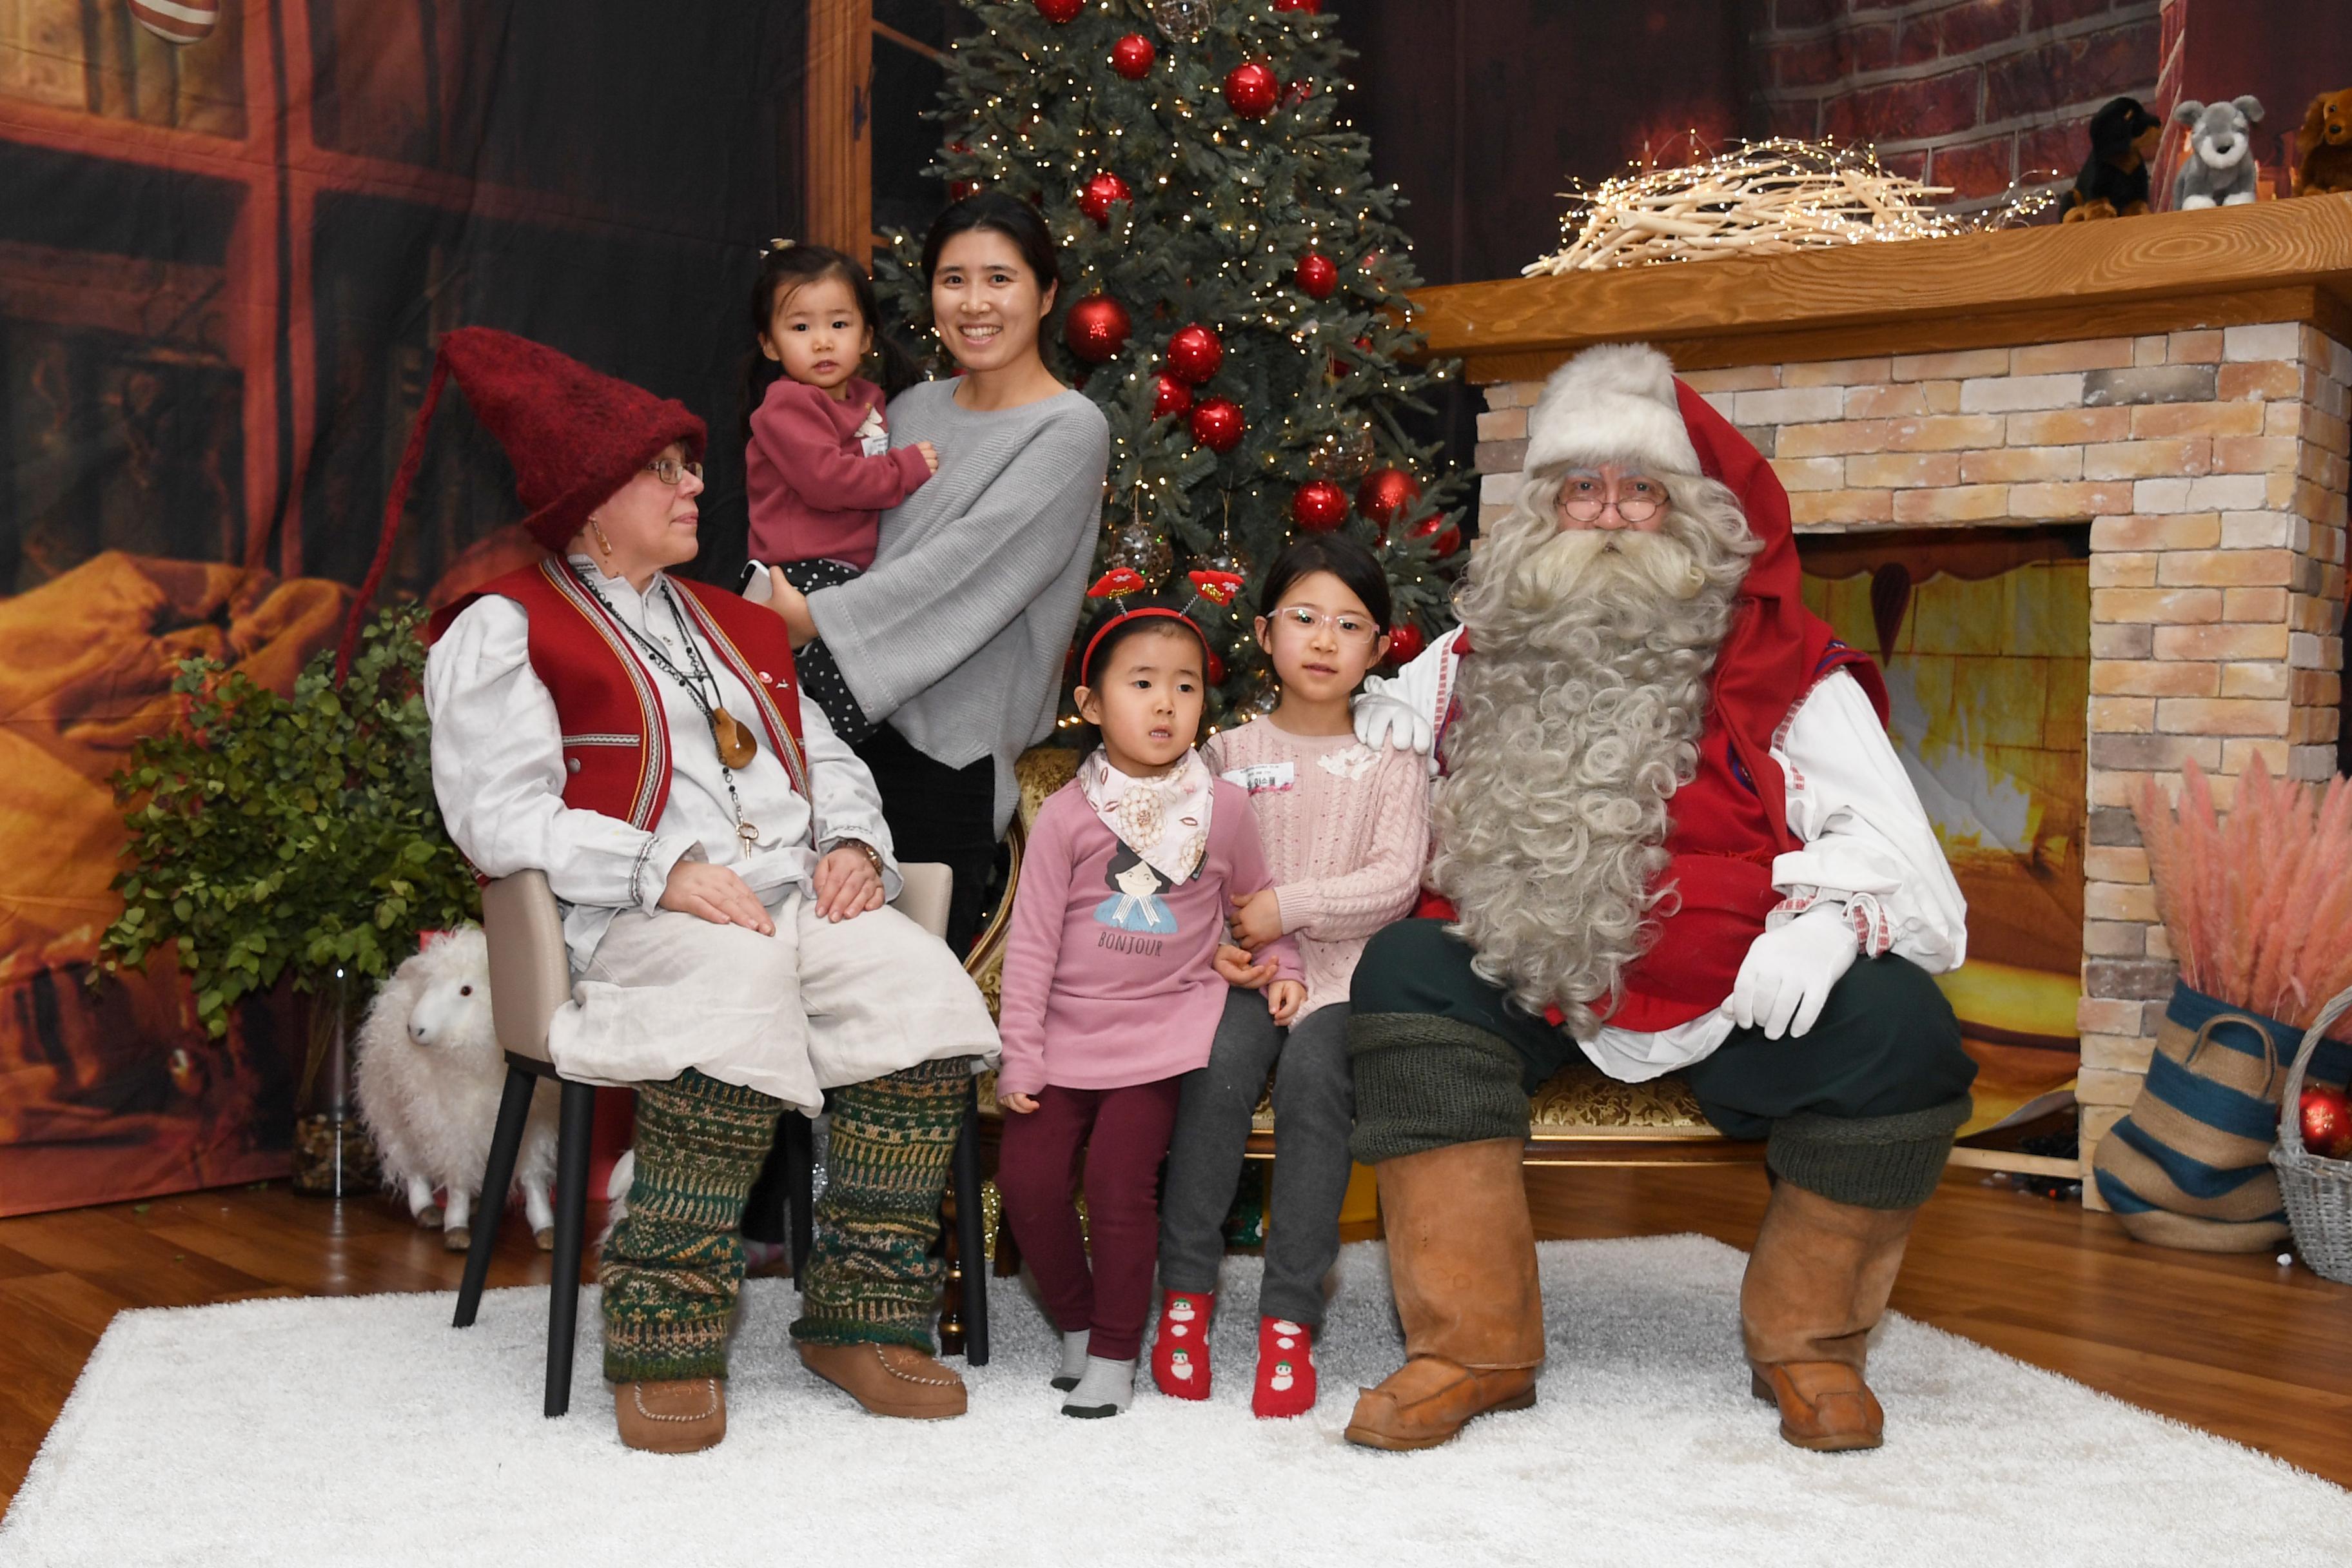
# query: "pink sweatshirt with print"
{"type": "Point", "coordinates": [813, 492]}
{"type": "Point", "coordinates": [1108, 979]}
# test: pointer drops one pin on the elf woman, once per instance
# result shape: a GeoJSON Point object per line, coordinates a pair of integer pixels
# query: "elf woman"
{"type": "Point", "coordinates": [722, 863]}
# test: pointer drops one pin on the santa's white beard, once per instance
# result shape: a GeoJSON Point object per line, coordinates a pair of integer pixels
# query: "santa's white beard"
{"type": "Point", "coordinates": [1581, 709]}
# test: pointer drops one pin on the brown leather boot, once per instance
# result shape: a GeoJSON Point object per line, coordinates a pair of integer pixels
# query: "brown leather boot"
{"type": "Point", "coordinates": [1462, 1260]}
{"type": "Point", "coordinates": [889, 1380]}
{"type": "Point", "coordinates": [683, 1416]}
{"type": "Point", "coordinates": [1817, 1284]}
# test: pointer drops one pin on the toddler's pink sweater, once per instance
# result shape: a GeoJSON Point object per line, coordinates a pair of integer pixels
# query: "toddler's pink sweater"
{"type": "Point", "coordinates": [1108, 973]}
{"type": "Point", "coordinates": [814, 493]}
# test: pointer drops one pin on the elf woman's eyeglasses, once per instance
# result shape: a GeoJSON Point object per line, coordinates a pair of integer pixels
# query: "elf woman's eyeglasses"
{"type": "Point", "coordinates": [671, 471]}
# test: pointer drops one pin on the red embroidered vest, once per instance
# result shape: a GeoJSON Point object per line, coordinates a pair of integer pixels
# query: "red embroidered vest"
{"type": "Point", "coordinates": [616, 746]}
{"type": "Point", "coordinates": [1723, 833]}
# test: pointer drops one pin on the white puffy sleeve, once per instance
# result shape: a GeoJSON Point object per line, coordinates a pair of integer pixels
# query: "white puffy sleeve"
{"type": "Point", "coordinates": [1868, 842]}
{"type": "Point", "coordinates": [498, 772]}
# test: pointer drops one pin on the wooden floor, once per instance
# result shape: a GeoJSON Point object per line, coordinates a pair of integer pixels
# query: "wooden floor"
{"type": "Point", "coordinates": [2239, 1346]}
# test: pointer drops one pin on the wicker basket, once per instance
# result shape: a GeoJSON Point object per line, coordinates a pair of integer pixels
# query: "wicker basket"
{"type": "Point", "coordinates": [2318, 1191]}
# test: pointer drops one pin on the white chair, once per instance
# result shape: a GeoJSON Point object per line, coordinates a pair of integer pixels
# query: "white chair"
{"type": "Point", "coordinates": [531, 977]}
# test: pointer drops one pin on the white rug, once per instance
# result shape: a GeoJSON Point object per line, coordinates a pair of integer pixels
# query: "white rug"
{"type": "Point", "coordinates": [365, 1430]}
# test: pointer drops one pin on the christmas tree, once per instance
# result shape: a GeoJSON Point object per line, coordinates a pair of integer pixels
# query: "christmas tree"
{"type": "Point", "coordinates": [1232, 289]}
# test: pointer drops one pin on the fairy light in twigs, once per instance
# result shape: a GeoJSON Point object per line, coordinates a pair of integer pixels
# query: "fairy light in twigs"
{"type": "Point", "coordinates": [1760, 198]}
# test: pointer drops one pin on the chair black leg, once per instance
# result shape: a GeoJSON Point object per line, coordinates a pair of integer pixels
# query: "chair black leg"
{"type": "Point", "coordinates": [578, 1121]}
{"type": "Point", "coordinates": [797, 1139]}
{"type": "Point", "coordinates": [506, 1142]}
{"type": "Point", "coordinates": [970, 1236]}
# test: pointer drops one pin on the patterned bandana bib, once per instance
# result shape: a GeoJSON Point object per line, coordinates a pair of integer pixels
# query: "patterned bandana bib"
{"type": "Point", "coordinates": [1164, 820]}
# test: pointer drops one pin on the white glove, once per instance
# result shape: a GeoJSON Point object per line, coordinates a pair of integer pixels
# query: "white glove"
{"type": "Point", "coordinates": [1788, 972]}
{"type": "Point", "coordinates": [1386, 722]}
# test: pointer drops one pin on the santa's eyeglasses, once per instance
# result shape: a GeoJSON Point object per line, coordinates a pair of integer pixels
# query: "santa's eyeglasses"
{"type": "Point", "coordinates": [1637, 498]}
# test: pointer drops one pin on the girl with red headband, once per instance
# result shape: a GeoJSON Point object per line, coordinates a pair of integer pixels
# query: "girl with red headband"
{"type": "Point", "coordinates": [1111, 992]}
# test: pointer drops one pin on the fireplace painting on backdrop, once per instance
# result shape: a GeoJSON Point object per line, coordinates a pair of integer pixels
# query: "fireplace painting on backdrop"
{"type": "Point", "coordinates": [1984, 637]}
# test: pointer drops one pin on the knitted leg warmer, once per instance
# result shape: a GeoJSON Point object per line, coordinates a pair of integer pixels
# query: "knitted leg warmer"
{"type": "Point", "coordinates": [1869, 1162]}
{"type": "Point", "coordinates": [871, 1274]}
{"type": "Point", "coordinates": [671, 1269]}
{"type": "Point", "coordinates": [1425, 1081]}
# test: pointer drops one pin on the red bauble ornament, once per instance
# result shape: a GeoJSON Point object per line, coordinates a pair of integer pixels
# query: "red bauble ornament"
{"type": "Point", "coordinates": [959, 189]}
{"type": "Point", "coordinates": [1096, 198]}
{"type": "Point", "coordinates": [1168, 395]}
{"type": "Point", "coordinates": [1060, 11]}
{"type": "Point", "coordinates": [1312, 7]}
{"type": "Point", "coordinates": [1252, 90]}
{"type": "Point", "coordinates": [1217, 423]}
{"type": "Point", "coordinates": [1317, 274]}
{"type": "Point", "coordinates": [1195, 352]}
{"type": "Point", "coordinates": [2327, 1121]}
{"type": "Point", "coordinates": [1320, 507]}
{"type": "Point", "coordinates": [1216, 668]}
{"type": "Point", "coordinates": [1444, 544]}
{"type": "Point", "coordinates": [1405, 642]}
{"type": "Point", "coordinates": [1132, 56]}
{"type": "Point", "coordinates": [1300, 90]}
{"type": "Point", "coordinates": [1384, 493]}
{"type": "Point", "coordinates": [1098, 328]}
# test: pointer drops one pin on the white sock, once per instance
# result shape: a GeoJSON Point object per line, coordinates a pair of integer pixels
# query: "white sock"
{"type": "Point", "coordinates": [1074, 1359]}
{"type": "Point", "coordinates": [1107, 1389]}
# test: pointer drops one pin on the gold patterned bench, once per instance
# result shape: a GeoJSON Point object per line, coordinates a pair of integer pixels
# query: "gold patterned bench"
{"type": "Point", "coordinates": [1580, 1117]}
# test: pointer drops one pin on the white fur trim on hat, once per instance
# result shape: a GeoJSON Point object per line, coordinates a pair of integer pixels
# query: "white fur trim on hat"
{"type": "Point", "coordinates": [1614, 403]}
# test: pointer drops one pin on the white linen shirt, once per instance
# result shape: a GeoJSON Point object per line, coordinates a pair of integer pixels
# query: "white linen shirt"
{"type": "Point", "coordinates": [1868, 846]}
{"type": "Point", "coordinates": [499, 774]}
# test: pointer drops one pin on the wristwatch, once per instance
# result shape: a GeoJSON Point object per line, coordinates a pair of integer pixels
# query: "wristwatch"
{"type": "Point", "coordinates": [873, 856]}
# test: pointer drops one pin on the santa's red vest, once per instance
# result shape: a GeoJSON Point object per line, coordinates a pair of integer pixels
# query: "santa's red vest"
{"type": "Point", "coordinates": [1723, 833]}
{"type": "Point", "coordinates": [617, 745]}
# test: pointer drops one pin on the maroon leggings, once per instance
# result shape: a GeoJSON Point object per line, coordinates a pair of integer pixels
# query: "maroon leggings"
{"type": "Point", "coordinates": [1123, 1133]}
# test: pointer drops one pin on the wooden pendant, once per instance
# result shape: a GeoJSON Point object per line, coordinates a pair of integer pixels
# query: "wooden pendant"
{"type": "Point", "coordinates": [736, 746]}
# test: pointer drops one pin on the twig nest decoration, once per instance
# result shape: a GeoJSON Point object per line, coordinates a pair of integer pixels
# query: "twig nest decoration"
{"type": "Point", "coordinates": [1760, 198]}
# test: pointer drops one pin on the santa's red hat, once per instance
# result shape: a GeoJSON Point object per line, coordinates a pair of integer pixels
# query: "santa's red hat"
{"type": "Point", "coordinates": [574, 435]}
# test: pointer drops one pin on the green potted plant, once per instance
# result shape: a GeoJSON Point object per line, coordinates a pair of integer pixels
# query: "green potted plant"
{"type": "Point", "coordinates": [275, 838]}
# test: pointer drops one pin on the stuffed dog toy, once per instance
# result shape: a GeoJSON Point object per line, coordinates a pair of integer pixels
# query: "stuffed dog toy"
{"type": "Point", "coordinates": [2326, 143]}
{"type": "Point", "coordinates": [2114, 182]}
{"type": "Point", "coordinates": [2219, 168]}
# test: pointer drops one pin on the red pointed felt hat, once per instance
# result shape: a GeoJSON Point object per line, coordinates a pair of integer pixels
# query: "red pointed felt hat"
{"type": "Point", "coordinates": [574, 436]}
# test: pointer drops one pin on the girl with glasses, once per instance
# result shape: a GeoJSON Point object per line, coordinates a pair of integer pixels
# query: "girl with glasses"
{"type": "Point", "coordinates": [1344, 828]}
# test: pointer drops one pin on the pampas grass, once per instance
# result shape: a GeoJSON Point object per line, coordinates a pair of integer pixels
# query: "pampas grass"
{"type": "Point", "coordinates": [2259, 906]}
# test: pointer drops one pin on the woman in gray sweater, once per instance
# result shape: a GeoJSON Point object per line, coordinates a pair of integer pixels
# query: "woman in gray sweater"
{"type": "Point", "coordinates": [954, 642]}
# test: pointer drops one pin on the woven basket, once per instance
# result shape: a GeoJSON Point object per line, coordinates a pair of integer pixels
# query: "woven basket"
{"type": "Point", "coordinates": [2317, 1190]}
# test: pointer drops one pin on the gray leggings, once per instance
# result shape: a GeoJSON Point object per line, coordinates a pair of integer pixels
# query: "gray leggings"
{"type": "Point", "coordinates": [1314, 1105]}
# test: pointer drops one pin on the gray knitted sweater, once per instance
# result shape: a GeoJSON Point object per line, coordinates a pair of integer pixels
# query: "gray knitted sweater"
{"type": "Point", "coordinates": [956, 635]}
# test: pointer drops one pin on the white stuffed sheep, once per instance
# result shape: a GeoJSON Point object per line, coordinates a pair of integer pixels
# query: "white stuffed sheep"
{"type": "Point", "coordinates": [429, 1080]}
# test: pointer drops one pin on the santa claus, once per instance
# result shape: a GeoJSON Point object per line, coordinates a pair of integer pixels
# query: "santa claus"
{"type": "Point", "coordinates": [1672, 836]}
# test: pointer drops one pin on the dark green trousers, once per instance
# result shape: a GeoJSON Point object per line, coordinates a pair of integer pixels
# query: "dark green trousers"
{"type": "Point", "coordinates": [1434, 1048]}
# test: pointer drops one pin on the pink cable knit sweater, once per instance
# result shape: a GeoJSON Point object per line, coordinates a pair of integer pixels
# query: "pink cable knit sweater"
{"type": "Point", "coordinates": [1346, 830]}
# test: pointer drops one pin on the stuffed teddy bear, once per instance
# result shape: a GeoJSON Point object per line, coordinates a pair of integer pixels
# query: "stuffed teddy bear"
{"type": "Point", "coordinates": [2114, 182]}
{"type": "Point", "coordinates": [2219, 168]}
{"type": "Point", "coordinates": [2326, 143]}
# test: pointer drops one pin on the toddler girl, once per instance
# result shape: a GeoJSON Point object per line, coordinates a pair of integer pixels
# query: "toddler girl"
{"type": "Point", "coordinates": [1346, 828]}
{"type": "Point", "coordinates": [818, 468]}
{"type": "Point", "coordinates": [1110, 994]}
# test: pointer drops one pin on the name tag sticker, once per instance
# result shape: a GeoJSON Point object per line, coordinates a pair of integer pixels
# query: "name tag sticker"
{"type": "Point", "coordinates": [1259, 778]}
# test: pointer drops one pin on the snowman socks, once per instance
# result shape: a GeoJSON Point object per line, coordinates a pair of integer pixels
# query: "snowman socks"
{"type": "Point", "coordinates": [1107, 1389]}
{"type": "Point", "coordinates": [1179, 1351]}
{"type": "Point", "coordinates": [1285, 1370]}
{"type": "Point", "coordinates": [1074, 1359]}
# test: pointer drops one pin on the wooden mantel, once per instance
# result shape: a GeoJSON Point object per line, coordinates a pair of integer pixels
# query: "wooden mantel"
{"type": "Point", "coordinates": [2271, 261]}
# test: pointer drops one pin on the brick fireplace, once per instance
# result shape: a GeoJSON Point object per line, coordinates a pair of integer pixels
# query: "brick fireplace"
{"type": "Point", "coordinates": [2175, 388]}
